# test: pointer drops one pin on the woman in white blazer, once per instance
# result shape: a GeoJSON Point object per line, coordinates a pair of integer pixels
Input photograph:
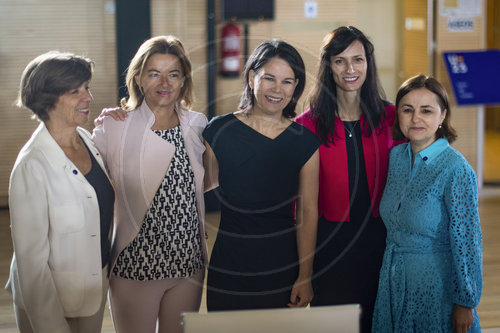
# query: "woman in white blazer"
{"type": "Point", "coordinates": [155, 160]}
{"type": "Point", "coordinates": [61, 204]}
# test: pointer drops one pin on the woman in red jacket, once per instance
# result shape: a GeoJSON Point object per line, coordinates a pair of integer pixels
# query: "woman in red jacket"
{"type": "Point", "coordinates": [349, 114]}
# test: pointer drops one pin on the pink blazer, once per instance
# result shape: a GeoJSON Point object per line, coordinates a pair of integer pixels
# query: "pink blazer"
{"type": "Point", "coordinates": [137, 160]}
{"type": "Point", "coordinates": [333, 200]}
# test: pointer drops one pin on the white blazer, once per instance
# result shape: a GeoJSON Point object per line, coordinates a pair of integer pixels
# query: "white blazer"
{"type": "Point", "coordinates": [56, 269]}
{"type": "Point", "coordinates": [138, 159]}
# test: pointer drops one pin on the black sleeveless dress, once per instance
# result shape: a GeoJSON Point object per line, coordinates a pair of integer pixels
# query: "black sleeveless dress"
{"type": "Point", "coordinates": [254, 262]}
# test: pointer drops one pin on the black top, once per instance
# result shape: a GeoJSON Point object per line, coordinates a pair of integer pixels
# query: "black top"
{"type": "Point", "coordinates": [359, 194]}
{"type": "Point", "coordinates": [349, 253]}
{"type": "Point", "coordinates": [106, 200]}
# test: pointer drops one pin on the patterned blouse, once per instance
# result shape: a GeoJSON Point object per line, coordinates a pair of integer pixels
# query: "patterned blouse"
{"type": "Point", "coordinates": [433, 256]}
{"type": "Point", "coordinates": [168, 244]}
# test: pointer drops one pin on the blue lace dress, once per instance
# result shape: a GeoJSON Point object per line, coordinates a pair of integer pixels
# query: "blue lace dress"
{"type": "Point", "coordinates": [433, 256]}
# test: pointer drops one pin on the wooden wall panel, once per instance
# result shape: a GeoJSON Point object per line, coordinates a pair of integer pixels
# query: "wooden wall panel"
{"type": "Point", "coordinates": [385, 37]}
{"type": "Point", "coordinates": [31, 27]}
{"type": "Point", "coordinates": [415, 50]}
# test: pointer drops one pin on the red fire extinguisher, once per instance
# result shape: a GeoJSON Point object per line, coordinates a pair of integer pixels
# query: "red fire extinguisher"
{"type": "Point", "coordinates": [230, 51]}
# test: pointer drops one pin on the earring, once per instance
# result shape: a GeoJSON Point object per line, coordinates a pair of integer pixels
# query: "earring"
{"type": "Point", "coordinates": [440, 126]}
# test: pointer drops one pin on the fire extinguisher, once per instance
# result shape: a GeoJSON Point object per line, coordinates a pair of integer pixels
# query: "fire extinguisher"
{"type": "Point", "coordinates": [230, 51]}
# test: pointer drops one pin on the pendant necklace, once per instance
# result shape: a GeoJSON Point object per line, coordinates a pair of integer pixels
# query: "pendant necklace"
{"type": "Point", "coordinates": [352, 128]}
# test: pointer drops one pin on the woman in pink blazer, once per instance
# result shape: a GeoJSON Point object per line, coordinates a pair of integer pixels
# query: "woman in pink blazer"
{"type": "Point", "coordinates": [154, 158]}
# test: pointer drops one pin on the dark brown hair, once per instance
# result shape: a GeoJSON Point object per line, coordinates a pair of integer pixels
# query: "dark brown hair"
{"type": "Point", "coordinates": [260, 56]}
{"type": "Point", "coordinates": [433, 85]}
{"type": "Point", "coordinates": [49, 76]}
{"type": "Point", "coordinates": [323, 95]}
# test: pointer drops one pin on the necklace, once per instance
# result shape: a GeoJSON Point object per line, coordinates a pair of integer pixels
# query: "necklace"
{"type": "Point", "coordinates": [352, 128]}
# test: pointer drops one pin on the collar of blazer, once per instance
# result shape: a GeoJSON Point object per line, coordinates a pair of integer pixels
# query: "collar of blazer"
{"type": "Point", "coordinates": [45, 143]}
{"type": "Point", "coordinates": [149, 117]}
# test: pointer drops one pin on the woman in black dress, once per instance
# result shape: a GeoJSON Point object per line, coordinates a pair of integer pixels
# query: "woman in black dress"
{"type": "Point", "coordinates": [263, 254]}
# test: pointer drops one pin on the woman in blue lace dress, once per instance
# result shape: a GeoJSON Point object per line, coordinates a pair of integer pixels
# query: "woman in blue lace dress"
{"type": "Point", "coordinates": [431, 276]}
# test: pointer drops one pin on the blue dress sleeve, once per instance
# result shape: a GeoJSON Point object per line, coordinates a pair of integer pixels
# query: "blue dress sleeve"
{"type": "Point", "coordinates": [465, 237]}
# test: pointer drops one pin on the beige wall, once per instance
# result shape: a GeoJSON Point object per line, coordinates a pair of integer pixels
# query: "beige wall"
{"type": "Point", "coordinates": [31, 27]}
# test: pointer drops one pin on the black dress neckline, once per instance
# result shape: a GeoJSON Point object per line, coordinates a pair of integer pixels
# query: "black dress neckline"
{"type": "Point", "coordinates": [259, 133]}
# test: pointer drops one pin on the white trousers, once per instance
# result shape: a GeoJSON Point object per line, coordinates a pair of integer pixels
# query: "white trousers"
{"type": "Point", "coordinates": [91, 324]}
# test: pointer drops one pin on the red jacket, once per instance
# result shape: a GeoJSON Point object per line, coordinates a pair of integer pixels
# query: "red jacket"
{"type": "Point", "coordinates": [333, 201]}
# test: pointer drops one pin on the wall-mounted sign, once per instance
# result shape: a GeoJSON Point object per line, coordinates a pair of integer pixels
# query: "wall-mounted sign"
{"type": "Point", "coordinates": [460, 8]}
{"type": "Point", "coordinates": [415, 23]}
{"type": "Point", "coordinates": [456, 24]}
{"type": "Point", "coordinates": [474, 76]}
{"type": "Point", "coordinates": [310, 9]}
{"type": "Point", "coordinates": [247, 10]}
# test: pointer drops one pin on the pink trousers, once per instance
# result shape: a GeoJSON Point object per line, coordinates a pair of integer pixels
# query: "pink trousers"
{"type": "Point", "coordinates": [153, 306]}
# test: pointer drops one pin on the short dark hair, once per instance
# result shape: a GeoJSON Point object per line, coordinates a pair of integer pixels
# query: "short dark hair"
{"type": "Point", "coordinates": [260, 56]}
{"type": "Point", "coordinates": [323, 95]}
{"type": "Point", "coordinates": [49, 76]}
{"type": "Point", "coordinates": [433, 85]}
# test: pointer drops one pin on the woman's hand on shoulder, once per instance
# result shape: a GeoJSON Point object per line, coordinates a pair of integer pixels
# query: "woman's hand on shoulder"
{"type": "Point", "coordinates": [116, 113]}
{"type": "Point", "coordinates": [462, 318]}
